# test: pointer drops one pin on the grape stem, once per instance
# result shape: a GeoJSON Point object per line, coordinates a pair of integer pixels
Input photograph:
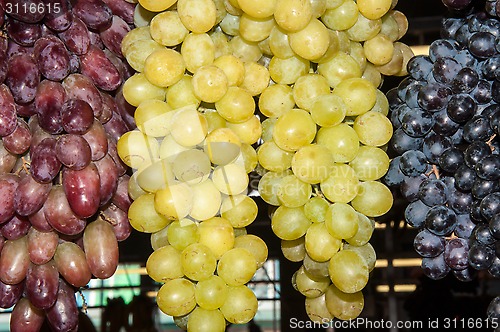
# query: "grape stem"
{"type": "Point", "coordinates": [317, 191]}
{"type": "Point", "coordinates": [84, 301]}
{"type": "Point", "coordinates": [491, 140]}
{"type": "Point", "coordinates": [112, 221]}
{"type": "Point", "coordinates": [434, 171]}
{"type": "Point", "coordinates": [25, 166]}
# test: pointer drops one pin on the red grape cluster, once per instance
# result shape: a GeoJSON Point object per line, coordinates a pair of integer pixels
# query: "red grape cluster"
{"type": "Point", "coordinates": [63, 188]}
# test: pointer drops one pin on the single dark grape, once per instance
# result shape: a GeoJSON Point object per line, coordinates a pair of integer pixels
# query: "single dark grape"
{"type": "Point", "coordinates": [463, 35]}
{"type": "Point", "coordinates": [411, 95]}
{"type": "Point", "coordinates": [460, 201]}
{"type": "Point", "coordinates": [401, 142]}
{"type": "Point", "coordinates": [465, 226]}
{"type": "Point", "coordinates": [445, 70]}
{"type": "Point", "coordinates": [435, 267]}
{"type": "Point", "coordinates": [394, 176]}
{"type": "Point", "coordinates": [483, 235]}
{"type": "Point", "coordinates": [433, 96]}
{"type": "Point", "coordinates": [456, 253]}
{"type": "Point", "coordinates": [415, 214]}
{"type": "Point", "coordinates": [393, 98]}
{"type": "Point", "coordinates": [466, 275]}
{"type": "Point", "coordinates": [451, 160]}
{"type": "Point", "coordinates": [417, 123]}
{"type": "Point", "coordinates": [465, 177]}
{"type": "Point", "coordinates": [465, 81]}
{"type": "Point", "coordinates": [477, 129]}
{"type": "Point", "coordinates": [482, 44]}
{"type": "Point", "coordinates": [494, 268]}
{"type": "Point", "coordinates": [461, 108]}
{"type": "Point", "coordinates": [489, 66]}
{"type": "Point", "coordinates": [490, 205]}
{"type": "Point", "coordinates": [433, 192]}
{"type": "Point", "coordinates": [450, 26]}
{"type": "Point", "coordinates": [427, 244]}
{"type": "Point", "coordinates": [413, 163]}
{"type": "Point", "coordinates": [476, 152]}
{"type": "Point", "coordinates": [488, 168]}
{"type": "Point", "coordinates": [441, 48]}
{"type": "Point", "coordinates": [410, 186]}
{"type": "Point", "coordinates": [481, 256]}
{"type": "Point", "coordinates": [495, 87]}
{"type": "Point", "coordinates": [475, 212]}
{"type": "Point", "coordinates": [434, 146]}
{"type": "Point", "coordinates": [481, 188]}
{"type": "Point", "coordinates": [419, 67]}
{"type": "Point", "coordinates": [443, 124]}
{"type": "Point", "coordinates": [465, 59]}
{"type": "Point", "coordinates": [482, 92]}
{"type": "Point", "coordinates": [493, 310]}
{"type": "Point", "coordinates": [494, 225]}
{"type": "Point", "coordinates": [441, 220]}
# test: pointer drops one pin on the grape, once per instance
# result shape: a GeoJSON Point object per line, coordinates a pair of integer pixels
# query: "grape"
{"type": "Point", "coordinates": [8, 186]}
{"type": "Point", "coordinates": [10, 294]}
{"type": "Point", "coordinates": [59, 214]}
{"type": "Point", "coordinates": [236, 266]}
{"type": "Point", "coordinates": [8, 120]}
{"type": "Point", "coordinates": [44, 163]}
{"type": "Point", "coordinates": [14, 261]}
{"type": "Point", "coordinates": [24, 80]}
{"type": "Point", "coordinates": [60, 21]}
{"type": "Point", "coordinates": [348, 271]}
{"type": "Point", "coordinates": [108, 178]}
{"type": "Point", "coordinates": [343, 305]}
{"type": "Point", "coordinates": [63, 315]}
{"type": "Point", "coordinates": [26, 317]}
{"type": "Point", "coordinates": [73, 151]}
{"type": "Point", "coordinates": [30, 195]}
{"type": "Point", "coordinates": [82, 188]}
{"type": "Point", "coordinates": [15, 228]}
{"type": "Point", "coordinates": [23, 33]}
{"type": "Point", "coordinates": [41, 245]}
{"type": "Point", "coordinates": [211, 293]}
{"type": "Point", "coordinates": [177, 297]}
{"type": "Point", "coordinates": [240, 305]}
{"type": "Point", "coordinates": [42, 284]}
{"type": "Point", "coordinates": [96, 65]}
{"type": "Point", "coordinates": [76, 37]}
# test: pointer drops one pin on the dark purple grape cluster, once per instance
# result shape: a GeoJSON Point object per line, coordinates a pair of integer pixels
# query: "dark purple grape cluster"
{"type": "Point", "coordinates": [63, 188]}
{"type": "Point", "coordinates": [446, 116]}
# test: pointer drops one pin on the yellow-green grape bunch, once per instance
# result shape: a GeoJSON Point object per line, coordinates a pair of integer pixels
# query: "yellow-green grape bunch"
{"type": "Point", "coordinates": [191, 154]}
{"type": "Point", "coordinates": [189, 191]}
{"type": "Point", "coordinates": [324, 136]}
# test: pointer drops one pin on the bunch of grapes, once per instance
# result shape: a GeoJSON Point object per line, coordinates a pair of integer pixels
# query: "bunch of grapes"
{"type": "Point", "coordinates": [62, 185]}
{"type": "Point", "coordinates": [447, 163]}
{"type": "Point", "coordinates": [193, 97]}
{"type": "Point", "coordinates": [323, 143]}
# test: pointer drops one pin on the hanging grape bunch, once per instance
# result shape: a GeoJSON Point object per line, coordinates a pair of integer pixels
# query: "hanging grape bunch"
{"type": "Point", "coordinates": [62, 185]}
{"type": "Point", "coordinates": [324, 135]}
{"type": "Point", "coordinates": [446, 141]}
{"type": "Point", "coordinates": [190, 155]}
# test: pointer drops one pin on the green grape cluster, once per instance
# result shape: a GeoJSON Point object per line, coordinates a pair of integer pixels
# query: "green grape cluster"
{"type": "Point", "coordinates": [190, 155]}
{"type": "Point", "coordinates": [325, 130]}
{"type": "Point", "coordinates": [298, 79]}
